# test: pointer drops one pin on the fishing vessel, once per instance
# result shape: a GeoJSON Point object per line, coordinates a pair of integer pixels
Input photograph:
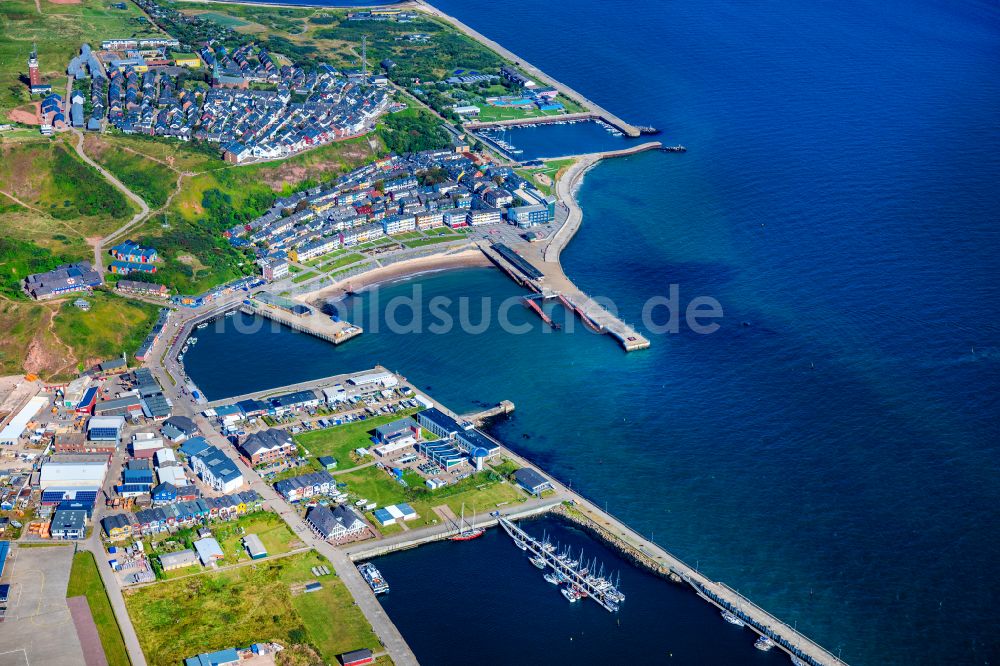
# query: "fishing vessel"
{"type": "Point", "coordinates": [732, 619]}
{"type": "Point", "coordinates": [764, 644]}
{"type": "Point", "coordinates": [373, 577]}
{"type": "Point", "coordinates": [467, 531]}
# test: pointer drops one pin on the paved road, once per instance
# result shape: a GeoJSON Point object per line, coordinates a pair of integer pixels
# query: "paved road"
{"type": "Point", "coordinates": [388, 634]}
{"type": "Point", "coordinates": [93, 544]}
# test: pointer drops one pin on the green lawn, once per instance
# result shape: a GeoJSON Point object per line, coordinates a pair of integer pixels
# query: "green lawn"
{"type": "Point", "coordinates": [340, 441]}
{"type": "Point", "coordinates": [333, 623]}
{"type": "Point", "coordinates": [271, 529]}
{"type": "Point", "coordinates": [302, 277]}
{"type": "Point", "coordinates": [480, 493]}
{"type": "Point", "coordinates": [85, 580]}
{"type": "Point", "coordinates": [248, 604]}
{"type": "Point", "coordinates": [342, 261]}
{"type": "Point", "coordinates": [420, 242]}
{"type": "Point", "coordinates": [112, 325]}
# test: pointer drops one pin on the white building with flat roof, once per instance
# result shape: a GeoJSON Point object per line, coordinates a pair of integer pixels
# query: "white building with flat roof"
{"type": "Point", "coordinates": [386, 379]}
{"type": "Point", "coordinates": [83, 474]}
{"type": "Point", "coordinates": [16, 426]}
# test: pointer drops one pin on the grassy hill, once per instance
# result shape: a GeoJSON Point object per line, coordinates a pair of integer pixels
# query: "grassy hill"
{"type": "Point", "coordinates": [58, 30]}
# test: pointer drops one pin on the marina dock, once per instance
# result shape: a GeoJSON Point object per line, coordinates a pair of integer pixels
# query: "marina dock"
{"type": "Point", "coordinates": [300, 317]}
{"type": "Point", "coordinates": [581, 580]}
{"type": "Point", "coordinates": [633, 545]}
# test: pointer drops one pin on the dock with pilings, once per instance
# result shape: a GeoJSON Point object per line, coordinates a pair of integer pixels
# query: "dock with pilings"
{"type": "Point", "coordinates": [590, 312]}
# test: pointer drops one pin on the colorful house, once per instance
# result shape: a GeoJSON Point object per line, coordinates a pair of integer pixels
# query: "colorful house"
{"type": "Point", "coordinates": [131, 251]}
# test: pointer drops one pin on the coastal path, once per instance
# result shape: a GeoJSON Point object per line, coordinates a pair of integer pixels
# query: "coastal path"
{"type": "Point", "coordinates": [530, 69]}
{"type": "Point", "coordinates": [139, 201]}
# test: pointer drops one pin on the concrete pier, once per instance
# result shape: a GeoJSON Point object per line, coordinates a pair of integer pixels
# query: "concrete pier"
{"type": "Point", "coordinates": [301, 317]}
{"type": "Point", "coordinates": [418, 537]}
{"type": "Point", "coordinates": [550, 280]}
{"type": "Point", "coordinates": [502, 408]}
{"type": "Point", "coordinates": [542, 120]}
{"type": "Point", "coordinates": [634, 545]}
{"type": "Point", "coordinates": [311, 385]}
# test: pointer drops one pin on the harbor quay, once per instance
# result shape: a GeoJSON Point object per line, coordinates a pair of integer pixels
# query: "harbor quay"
{"type": "Point", "coordinates": [571, 505]}
{"type": "Point", "coordinates": [300, 317]}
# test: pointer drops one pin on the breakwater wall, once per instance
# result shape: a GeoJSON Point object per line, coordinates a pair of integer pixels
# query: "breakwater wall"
{"type": "Point", "coordinates": [440, 533]}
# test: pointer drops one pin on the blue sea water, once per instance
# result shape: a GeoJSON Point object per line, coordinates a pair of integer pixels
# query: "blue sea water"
{"type": "Point", "coordinates": [835, 459]}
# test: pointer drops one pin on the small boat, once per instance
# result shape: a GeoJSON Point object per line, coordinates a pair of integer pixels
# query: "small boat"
{"type": "Point", "coordinates": [553, 578]}
{"type": "Point", "coordinates": [674, 149]}
{"type": "Point", "coordinates": [538, 562]}
{"type": "Point", "coordinates": [231, 313]}
{"type": "Point", "coordinates": [732, 619]}
{"type": "Point", "coordinates": [203, 325]}
{"type": "Point", "coordinates": [192, 341]}
{"type": "Point", "coordinates": [764, 644]}
{"type": "Point", "coordinates": [521, 545]}
{"type": "Point", "coordinates": [570, 595]}
{"type": "Point", "coordinates": [798, 662]}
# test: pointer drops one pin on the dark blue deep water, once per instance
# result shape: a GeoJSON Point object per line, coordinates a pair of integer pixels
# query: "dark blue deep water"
{"type": "Point", "coordinates": [836, 459]}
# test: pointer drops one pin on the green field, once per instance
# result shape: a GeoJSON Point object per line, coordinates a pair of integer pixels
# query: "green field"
{"type": "Point", "coordinates": [85, 580]}
{"type": "Point", "coordinates": [420, 242]}
{"type": "Point", "coordinates": [302, 277]}
{"type": "Point", "coordinates": [58, 30]}
{"type": "Point", "coordinates": [224, 19]}
{"type": "Point", "coordinates": [345, 260]}
{"type": "Point", "coordinates": [244, 605]}
{"type": "Point", "coordinates": [112, 326]}
{"type": "Point", "coordinates": [481, 493]}
{"type": "Point", "coordinates": [61, 202]}
{"type": "Point", "coordinates": [340, 441]}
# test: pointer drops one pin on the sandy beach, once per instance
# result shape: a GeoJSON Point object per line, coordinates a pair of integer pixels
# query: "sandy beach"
{"type": "Point", "coordinates": [465, 259]}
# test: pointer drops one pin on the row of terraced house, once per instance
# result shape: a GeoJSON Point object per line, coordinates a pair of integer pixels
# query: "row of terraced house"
{"type": "Point", "coordinates": [391, 196]}
{"type": "Point", "coordinates": [171, 517]}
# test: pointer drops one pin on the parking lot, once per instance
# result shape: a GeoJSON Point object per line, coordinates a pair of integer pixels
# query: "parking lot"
{"type": "Point", "coordinates": [38, 628]}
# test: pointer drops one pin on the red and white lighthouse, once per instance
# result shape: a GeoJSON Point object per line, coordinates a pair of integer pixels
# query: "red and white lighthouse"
{"type": "Point", "coordinates": [34, 78]}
